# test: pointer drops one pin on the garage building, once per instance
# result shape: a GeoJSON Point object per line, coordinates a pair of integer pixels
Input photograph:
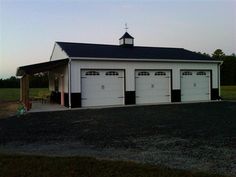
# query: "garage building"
{"type": "Point", "coordinates": [84, 75]}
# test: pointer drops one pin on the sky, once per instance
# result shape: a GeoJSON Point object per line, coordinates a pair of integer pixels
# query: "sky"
{"type": "Point", "coordinates": [29, 28]}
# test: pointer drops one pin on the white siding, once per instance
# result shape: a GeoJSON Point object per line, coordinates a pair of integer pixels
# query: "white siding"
{"type": "Point", "coordinates": [58, 73]}
{"type": "Point", "coordinates": [58, 53]}
{"type": "Point", "coordinates": [75, 77]}
{"type": "Point", "coordinates": [131, 66]}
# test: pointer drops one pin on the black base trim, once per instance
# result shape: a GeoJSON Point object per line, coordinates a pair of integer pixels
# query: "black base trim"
{"type": "Point", "coordinates": [75, 100]}
{"type": "Point", "coordinates": [55, 97]}
{"type": "Point", "coordinates": [215, 94]}
{"type": "Point", "coordinates": [66, 100]}
{"type": "Point", "coordinates": [130, 97]}
{"type": "Point", "coordinates": [175, 95]}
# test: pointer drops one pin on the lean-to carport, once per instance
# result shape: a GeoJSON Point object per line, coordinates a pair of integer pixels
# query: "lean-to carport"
{"type": "Point", "coordinates": [27, 70]}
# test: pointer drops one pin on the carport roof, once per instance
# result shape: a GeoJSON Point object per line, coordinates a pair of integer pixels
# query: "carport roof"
{"type": "Point", "coordinates": [40, 67]}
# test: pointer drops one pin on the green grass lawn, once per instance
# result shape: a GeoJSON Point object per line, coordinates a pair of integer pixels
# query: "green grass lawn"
{"type": "Point", "coordinates": [228, 92]}
{"type": "Point", "coordinates": [13, 94]}
{"type": "Point", "coordinates": [38, 166]}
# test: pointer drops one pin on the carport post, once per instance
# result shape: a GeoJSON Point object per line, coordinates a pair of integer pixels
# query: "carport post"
{"type": "Point", "coordinates": [24, 91]}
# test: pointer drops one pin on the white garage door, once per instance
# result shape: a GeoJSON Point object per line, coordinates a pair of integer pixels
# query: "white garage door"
{"type": "Point", "coordinates": [152, 86]}
{"type": "Point", "coordinates": [102, 87]}
{"type": "Point", "coordinates": [195, 85]}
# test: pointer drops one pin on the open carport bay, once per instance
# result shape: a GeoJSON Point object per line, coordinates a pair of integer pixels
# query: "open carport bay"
{"type": "Point", "coordinates": [199, 136]}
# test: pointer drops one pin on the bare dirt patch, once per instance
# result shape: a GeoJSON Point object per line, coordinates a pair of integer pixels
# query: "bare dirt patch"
{"type": "Point", "coordinates": [8, 108]}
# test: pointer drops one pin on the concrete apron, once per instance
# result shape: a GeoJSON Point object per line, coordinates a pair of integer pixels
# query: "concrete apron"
{"type": "Point", "coordinates": [37, 106]}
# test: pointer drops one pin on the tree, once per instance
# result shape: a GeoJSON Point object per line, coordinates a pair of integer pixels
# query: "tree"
{"type": "Point", "coordinates": [35, 81]}
{"type": "Point", "coordinates": [11, 82]}
{"type": "Point", "coordinates": [206, 54]}
{"type": "Point", "coordinates": [228, 71]}
{"type": "Point", "coordinates": [39, 80]}
{"type": "Point", "coordinates": [218, 54]}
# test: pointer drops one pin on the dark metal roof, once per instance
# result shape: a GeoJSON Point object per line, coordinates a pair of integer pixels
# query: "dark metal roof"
{"type": "Point", "coordinates": [127, 35]}
{"type": "Point", "coordinates": [40, 67]}
{"type": "Point", "coordinates": [136, 52]}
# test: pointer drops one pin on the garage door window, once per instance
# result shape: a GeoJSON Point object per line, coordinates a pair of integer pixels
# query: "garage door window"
{"type": "Point", "coordinates": [112, 73]}
{"type": "Point", "coordinates": [160, 73]}
{"type": "Point", "coordinates": [187, 73]}
{"type": "Point", "coordinates": [92, 73]}
{"type": "Point", "coordinates": [201, 73]}
{"type": "Point", "coordinates": [143, 73]}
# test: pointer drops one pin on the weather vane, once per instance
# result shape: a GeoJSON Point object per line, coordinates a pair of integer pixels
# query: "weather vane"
{"type": "Point", "coordinates": [126, 27]}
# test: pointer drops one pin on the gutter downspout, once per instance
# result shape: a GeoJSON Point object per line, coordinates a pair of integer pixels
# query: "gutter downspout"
{"type": "Point", "coordinates": [69, 81]}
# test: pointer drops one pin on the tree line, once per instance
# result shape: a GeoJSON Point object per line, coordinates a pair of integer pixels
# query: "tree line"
{"type": "Point", "coordinates": [35, 81]}
{"type": "Point", "coordinates": [228, 73]}
{"type": "Point", "coordinates": [228, 68]}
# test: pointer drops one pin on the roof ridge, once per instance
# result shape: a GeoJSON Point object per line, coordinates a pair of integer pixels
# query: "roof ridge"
{"type": "Point", "coordinates": [81, 43]}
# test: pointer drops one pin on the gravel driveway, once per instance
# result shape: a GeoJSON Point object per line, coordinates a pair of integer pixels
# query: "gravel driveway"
{"type": "Point", "coordinates": [198, 137]}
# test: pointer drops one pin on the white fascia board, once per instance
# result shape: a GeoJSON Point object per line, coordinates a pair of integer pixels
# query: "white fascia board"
{"type": "Point", "coordinates": [52, 51]}
{"type": "Point", "coordinates": [143, 60]}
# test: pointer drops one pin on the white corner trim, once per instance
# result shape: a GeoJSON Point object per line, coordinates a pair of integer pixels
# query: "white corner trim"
{"type": "Point", "coordinates": [52, 51]}
{"type": "Point", "coordinates": [69, 83]}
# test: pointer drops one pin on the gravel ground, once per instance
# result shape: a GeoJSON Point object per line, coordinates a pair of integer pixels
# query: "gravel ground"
{"type": "Point", "coordinates": [198, 137]}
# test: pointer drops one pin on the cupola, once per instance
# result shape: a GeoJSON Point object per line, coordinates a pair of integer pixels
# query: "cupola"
{"type": "Point", "coordinates": [127, 40]}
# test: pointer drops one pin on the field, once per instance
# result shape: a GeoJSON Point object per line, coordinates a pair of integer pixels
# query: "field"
{"type": "Point", "coordinates": [13, 94]}
{"type": "Point", "coordinates": [228, 92]}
